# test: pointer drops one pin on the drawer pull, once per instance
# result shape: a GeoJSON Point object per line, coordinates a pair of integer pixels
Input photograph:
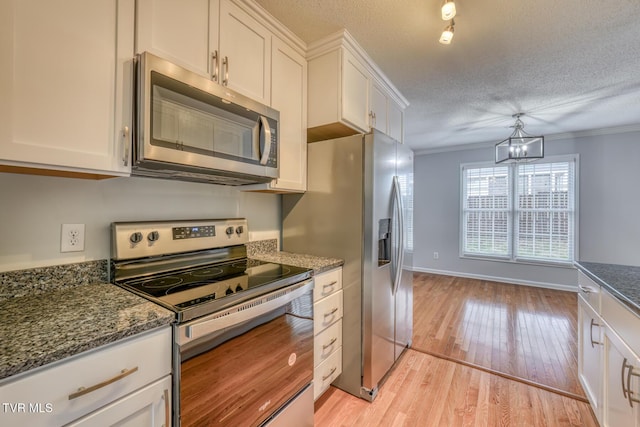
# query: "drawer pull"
{"type": "Point", "coordinates": [331, 343]}
{"type": "Point", "coordinates": [326, 377]}
{"type": "Point", "coordinates": [331, 313]}
{"type": "Point", "coordinates": [330, 285]}
{"type": "Point", "coordinates": [86, 390]}
{"type": "Point", "coordinates": [586, 289]}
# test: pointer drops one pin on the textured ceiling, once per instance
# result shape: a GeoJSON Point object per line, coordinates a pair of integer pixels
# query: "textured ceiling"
{"type": "Point", "coordinates": [570, 65]}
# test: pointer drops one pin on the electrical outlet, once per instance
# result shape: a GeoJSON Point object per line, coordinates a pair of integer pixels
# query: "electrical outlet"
{"type": "Point", "coordinates": [72, 238]}
{"type": "Point", "coordinates": [436, 255]}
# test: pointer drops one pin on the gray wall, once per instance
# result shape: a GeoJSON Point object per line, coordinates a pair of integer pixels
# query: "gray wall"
{"type": "Point", "coordinates": [34, 207]}
{"type": "Point", "coordinates": [609, 206]}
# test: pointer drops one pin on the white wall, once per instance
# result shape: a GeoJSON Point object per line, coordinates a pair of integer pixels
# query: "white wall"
{"type": "Point", "coordinates": [609, 202]}
{"type": "Point", "coordinates": [34, 207]}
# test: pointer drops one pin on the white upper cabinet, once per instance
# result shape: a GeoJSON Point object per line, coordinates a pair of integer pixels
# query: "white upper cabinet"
{"type": "Point", "coordinates": [215, 38]}
{"type": "Point", "coordinates": [348, 93]}
{"type": "Point", "coordinates": [66, 86]}
{"type": "Point", "coordinates": [289, 96]}
{"type": "Point", "coordinates": [179, 31]}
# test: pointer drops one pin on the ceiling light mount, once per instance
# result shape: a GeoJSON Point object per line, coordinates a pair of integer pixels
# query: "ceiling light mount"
{"type": "Point", "coordinates": [520, 146]}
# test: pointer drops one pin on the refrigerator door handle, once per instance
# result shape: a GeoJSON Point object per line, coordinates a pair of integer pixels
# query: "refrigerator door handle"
{"type": "Point", "coordinates": [399, 258]}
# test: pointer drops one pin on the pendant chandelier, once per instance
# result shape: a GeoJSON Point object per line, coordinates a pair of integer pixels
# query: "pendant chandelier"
{"type": "Point", "coordinates": [520, 146]}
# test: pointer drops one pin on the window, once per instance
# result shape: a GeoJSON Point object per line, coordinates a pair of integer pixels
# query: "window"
{"type": "Point", "coordinates": [519, 211]}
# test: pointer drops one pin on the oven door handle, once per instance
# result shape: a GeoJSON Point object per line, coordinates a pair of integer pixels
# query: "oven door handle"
{"type": "Point", "coordinates": [242, 312]}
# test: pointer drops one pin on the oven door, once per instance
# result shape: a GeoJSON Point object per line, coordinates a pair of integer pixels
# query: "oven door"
{"type": "Point", "coordinates": [244, 365]}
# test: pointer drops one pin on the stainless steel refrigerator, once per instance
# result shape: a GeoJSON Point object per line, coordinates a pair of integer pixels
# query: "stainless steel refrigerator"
{"type": "Point", "coordinates": [359, 207]}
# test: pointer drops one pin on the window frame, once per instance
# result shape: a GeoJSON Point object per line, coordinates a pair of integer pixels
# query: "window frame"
{"type": "Point", "coordinates": [513, 212]}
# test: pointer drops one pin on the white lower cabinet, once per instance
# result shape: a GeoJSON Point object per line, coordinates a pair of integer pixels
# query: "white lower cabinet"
{"type": "Point", "coordinates": [327, 329]}
{"type": "Point", "coordinates": [590, 337]}
{"type": "Point", "coordinates": [147, 407]}
{"type": "Point", "coordinates": [128, 382]}
{"type": "Point", "coordinates": [621, 383]}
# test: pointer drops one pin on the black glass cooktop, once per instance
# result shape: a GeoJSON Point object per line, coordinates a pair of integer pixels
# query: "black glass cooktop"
{"type": "Point", "coordinates": [190, 287]}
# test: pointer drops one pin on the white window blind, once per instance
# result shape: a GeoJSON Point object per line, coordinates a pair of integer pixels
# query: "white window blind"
{"type": "Point", "coordinates": [519, 211]}
{"type": "Point", "coordinates": [545, 211]}
{"type": "Point", "coordinates": [486, 211]}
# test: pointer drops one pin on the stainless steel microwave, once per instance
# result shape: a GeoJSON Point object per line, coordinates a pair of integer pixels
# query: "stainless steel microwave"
{"type": "Point", "coordinates": [190, 128]}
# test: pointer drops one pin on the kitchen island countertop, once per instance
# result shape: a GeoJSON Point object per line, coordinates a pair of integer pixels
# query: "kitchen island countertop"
{"type": "Point", "coordinates": [40, 329]}
{"type": "Point", "coordinates": [622, 281]}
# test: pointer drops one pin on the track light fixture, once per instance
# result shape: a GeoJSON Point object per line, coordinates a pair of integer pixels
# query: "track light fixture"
{"type": "Point", "coordinates": [447, 34]}
{"type": "Point", "coordinates": [448, 10]}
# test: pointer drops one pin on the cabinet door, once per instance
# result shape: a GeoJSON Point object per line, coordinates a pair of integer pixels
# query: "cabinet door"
{"type": "Point", "coordinates": [395, 120]}
{"type": "Point", "coordinates": [147, 407]}
{"type": "Point", "coordinates": [355, 92]}
{"type": "Point", "coordinates": [289, 85]}
{"type": "Point", "coordinates": [245, 53]}
{"type": "Point", "coordinates": [590, 355]}
{"type": "Point", "coordinates": [622, 368]}
{"type": "Point", "coordinates": [64, 103]}
{"type": "Point", "coordinates": [178, 31]}
{"type": "Point", "coordinates": [378, 114]}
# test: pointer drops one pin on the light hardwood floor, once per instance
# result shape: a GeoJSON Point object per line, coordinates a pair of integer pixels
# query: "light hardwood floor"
{"type": "Point", "coordinates": [523, 332]}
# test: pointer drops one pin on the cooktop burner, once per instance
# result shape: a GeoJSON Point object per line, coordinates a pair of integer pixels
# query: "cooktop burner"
{"type": "Point", "coordinates": [190, 287]}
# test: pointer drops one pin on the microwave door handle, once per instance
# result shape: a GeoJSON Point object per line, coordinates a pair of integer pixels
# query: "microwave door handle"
{"type": "Point", "coordinates": [266, 130]}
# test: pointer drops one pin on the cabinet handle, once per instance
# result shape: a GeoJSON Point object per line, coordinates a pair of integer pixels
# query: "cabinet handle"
{"type": "Point", "coordinates": [585, 289]}
{"type": "Point", "coordinates": [225, 64]}
{"type": "Point", "coordinates": [331, 313]}
{"type": "Point", "coordinates": [127, 145]}
{"type": "Point", "coordinates": [167, 409]}
{"type": "Point", "coordinates": [626, 391]}
{"type": "Point", "coordinates": [214, 66]}
{"type": "Point", "coordinates": [330, 285]}
{"type": "Point", "coordinates": [331, 343]}
{"type": "Point", "coordinates": [326, 377]}
{"type": "Point", "coordinates": [593, 323]}
{"type": "Point", "coordinates": [82, 390]}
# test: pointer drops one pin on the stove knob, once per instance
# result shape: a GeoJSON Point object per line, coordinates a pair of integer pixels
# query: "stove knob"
{"type": "Point", "coordinates": [228, 291]}
{"type": "Point", "coordinates": [229, 231]}
{"type": "Point", "coordinates": [135, 237]}
{"type": "Point", "coordinates": [238, 288]}
{"type": "Point", "coordinates": [153, 236]}
{"type": "Point", "coordinates": [239, 230]}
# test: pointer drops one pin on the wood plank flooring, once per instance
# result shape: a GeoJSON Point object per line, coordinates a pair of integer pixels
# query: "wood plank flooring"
{"type": "Point", "coordinates": [518, 331]}
{"type": "Point", "coordinates": [522, 331]}
{"type": "Point", "coordinates": [424, 391]}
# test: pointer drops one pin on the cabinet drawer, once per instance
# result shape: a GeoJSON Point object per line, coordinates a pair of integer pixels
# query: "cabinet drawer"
{"type": "Point", "coordinates": [119, 368]}
{"type": "Point", "coordinates": [589, 290]}
{"type": "Point", "coordinates": [622, 320]}
{"type": "Point", "coordinates": [326, 342]}
{"type": "Point", "coordinates": [326, 311]}
{"type": "Point", "coordinates": [327, 283]}
{"type": "Point", "coordinates": [326, 372]}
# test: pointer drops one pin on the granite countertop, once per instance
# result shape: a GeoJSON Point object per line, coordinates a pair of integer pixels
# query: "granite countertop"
{"type": "Point", "coordinates": [316, 263]}
{"type": "Point", "coordinates": [622, 281]}
{"type": "Point", "coordinates": [48, 327]}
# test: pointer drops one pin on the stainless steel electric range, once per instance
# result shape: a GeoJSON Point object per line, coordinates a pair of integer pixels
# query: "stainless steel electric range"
{"type": "Point", "coordinates": [243, 337]}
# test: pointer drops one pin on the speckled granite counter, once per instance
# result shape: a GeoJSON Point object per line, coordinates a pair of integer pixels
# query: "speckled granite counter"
{"type": "Point", "coordinates": [43, 328]}
{"type": "Point", "coordinates": [622, 281]}
{"type": "Point", "coordinates": [316, 263]}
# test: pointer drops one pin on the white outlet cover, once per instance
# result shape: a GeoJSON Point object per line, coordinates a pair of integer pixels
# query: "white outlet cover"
{"type": "Point", "coordinates": [72, 238]}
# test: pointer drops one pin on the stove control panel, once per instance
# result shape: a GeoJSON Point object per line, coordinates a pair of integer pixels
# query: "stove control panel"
{"type": "Point", "coordinates": [194, 232]}
{"type": "Point", "coordinates": [143, 239]}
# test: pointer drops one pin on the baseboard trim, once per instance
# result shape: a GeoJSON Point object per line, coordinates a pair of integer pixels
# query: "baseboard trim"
{"type": "Point", "coordinates": [556, 286]}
